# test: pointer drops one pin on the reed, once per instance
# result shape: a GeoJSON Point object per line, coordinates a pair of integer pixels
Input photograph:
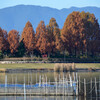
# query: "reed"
{"type": "Point", "coordinates": [64, 67]}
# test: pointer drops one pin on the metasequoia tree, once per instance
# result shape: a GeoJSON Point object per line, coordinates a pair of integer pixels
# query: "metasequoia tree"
{"type": "Point", "coordinates": [54, 40]}
{"type": "Point", "coordinates": [13, 39]}
{"type": "Point", "coordinates": [28, 37]}
{"type": "Point", "coordinates": [77, 31]}
{"type": "Point", "coordinates": [41, 38]}
{"type": "Point", "coordinates": [6, 44]}
{"type": "Point", "coordinates": [92, 33]}
{"type": "Point", "coordinates": [1, 40]}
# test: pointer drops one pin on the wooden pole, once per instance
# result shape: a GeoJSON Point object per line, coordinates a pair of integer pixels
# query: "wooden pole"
{"type": "Point", "coordinates": [12, 79]}
{"type": "Point", "coordinates": [24, 90]}
{"type": "Point", "coordinates": [99, 86]}
{"type": "Point", "coordinates": [56, 85]}
{"type": "Point", "coordinates": [31, 86]}
{"type": "Point", "coordinates": [91, 86]}
{"type": "Point", "coordinates": [74, 76]}
{"type": "Point", "coordinates": [36, 77]}
{"type": "Point", "coordinates": [63, 84]}
{"type": "Point", "coordinates": [28, 78]}
{"type": "Point", "coordinates": [84, 87]}
{"type": "Point", "coordinates": [77, 88]}
{"type": "Point", "coordinates": [95, 87]}
{"type": "Point", "coordinates": [5, 83]}
{"type": "Point", "coordinates": [16, 85]}
{"type": "Point", "coordinates": [31, 79]}
{"type": "Point", "coordinates": [46, 84]}
{"type": "Point", "coordinates": [79, 85]}
{"type": "Point", "coordinates": [59, 80]}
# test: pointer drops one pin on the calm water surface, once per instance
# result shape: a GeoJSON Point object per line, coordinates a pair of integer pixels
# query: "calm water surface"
{"type": "Point", "coordinates": [12, 78]}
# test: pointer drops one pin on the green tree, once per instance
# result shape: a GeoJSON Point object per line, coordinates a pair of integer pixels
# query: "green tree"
{"type": "Point", "coordinates": [1, 55]}
{"type": "Point", "coordinates": [21, 49]}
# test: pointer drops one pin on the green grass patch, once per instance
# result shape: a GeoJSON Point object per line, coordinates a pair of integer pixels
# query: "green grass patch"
{"type": "Point", "coordinates": [27, 66]}
{"type": "Point", "coordinates": [46, 65]}
{"type": "Point", "coordinates": [87, 65]}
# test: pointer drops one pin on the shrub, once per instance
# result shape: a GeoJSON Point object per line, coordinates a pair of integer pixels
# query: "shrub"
{"type": "Point", "coordinates": [1, 55]}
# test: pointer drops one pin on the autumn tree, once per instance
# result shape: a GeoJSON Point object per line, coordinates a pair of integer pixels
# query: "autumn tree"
{"type": "Point", "coordinates": [54, 39]}
{"type": "Point", "coordinates": [28, 37]}
{"type": "Point", "coordinates": [13, 39]}
{"type": "Point", "coordinates": [1, 40]}
{"type": "Point", "coordinates": [92, 33]}
{"type": "Point", "coordinates": [6, 44]}
{"type": "Point", "coordinates": [41, 38]}
{"type": "Point", "coordinates": [78, 30]}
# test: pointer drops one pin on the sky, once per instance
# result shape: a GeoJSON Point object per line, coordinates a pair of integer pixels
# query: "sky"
{"type": "Point", "coordinates": [58, 4]}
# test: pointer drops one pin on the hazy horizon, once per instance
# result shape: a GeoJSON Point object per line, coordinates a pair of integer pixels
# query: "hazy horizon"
{"type": "Point", "coordinates": [58, 4]}
{"type": "Point", "coordinates": [48, 7]}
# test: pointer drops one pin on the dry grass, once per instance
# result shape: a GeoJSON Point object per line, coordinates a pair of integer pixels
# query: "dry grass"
{"type": "Point", "coordinates": [87, 65]}
{"type": "Point", "coordinates": [62, 67]}
{"type": "Point", "coordinates": [48, 65]}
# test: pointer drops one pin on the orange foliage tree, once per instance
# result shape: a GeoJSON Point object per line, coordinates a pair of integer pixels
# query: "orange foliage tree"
{"type": "Point", "coordinates": [6, 44]}
{"type": "Point", "coordinates": [41, 38]}
{"type": "Point", "coordinates": [28, 37]}
{"type": "Point", "coordinates": [77, 31]}
{"type": "Point", "coordinates": [54, 39]}
{"type": "Point", "coordinates": [13, 39]}
{"type": "Point", "coordinates": [1, 40]}
{"type": "Point", "coordinates": [92, 33]}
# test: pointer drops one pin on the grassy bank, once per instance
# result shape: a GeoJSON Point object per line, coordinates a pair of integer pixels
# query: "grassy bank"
{"type": "Point", "coordinates": [46, 65]}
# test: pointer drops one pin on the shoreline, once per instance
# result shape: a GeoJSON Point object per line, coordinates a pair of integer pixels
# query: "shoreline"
{"type": "Point", "coordinates": [42, 70]}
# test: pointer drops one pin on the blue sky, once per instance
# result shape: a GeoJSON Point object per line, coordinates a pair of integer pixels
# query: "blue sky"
{"type": "Point", "coordinates": [59, 4]}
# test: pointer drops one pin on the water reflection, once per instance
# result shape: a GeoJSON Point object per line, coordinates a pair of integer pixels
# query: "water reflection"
{"type": "Point", "coordinates": [46, 98]}
{"type": "Point", "coordinates": [11, 77]}
{"type": "Point", "coordinates": [39, 98]}
{"type": "Point", "coordinates": [34, 77]}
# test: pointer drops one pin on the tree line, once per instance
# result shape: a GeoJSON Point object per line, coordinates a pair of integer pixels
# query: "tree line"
{"type": "Point", "coordinates": [80, 36]}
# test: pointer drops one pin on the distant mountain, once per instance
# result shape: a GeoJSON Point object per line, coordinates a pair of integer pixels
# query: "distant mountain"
{"type": "Point", "coordinates": [17, 16]}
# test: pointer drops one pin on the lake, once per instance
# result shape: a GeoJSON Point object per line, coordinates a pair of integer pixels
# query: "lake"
{"type": "Point", "coordinates": [18, 78]}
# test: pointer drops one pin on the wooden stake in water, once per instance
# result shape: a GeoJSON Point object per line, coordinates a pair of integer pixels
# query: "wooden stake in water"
{"type": "Point", "coordinates": [59, 80]}
{"type": "Point", "coordinates": [28, 78]}
{"type": "Point", "coordinates": [77, 88]}
{"type": "Point", "coordinates": [24, 90]}
{"type": "Point", "coordinates": [5, 83]}
{"type": "Point", "coordinates": [16, 84]}
{"type": "Point", "coordinates": [46, 84]}
{"type": "Point", "coordinates": [31, 80]}
{"type": "Point", "coordinates": [74, 76]}
{"type": "Point", "coordinates": [12, 79]}
{"type": "Point", "coordinates": [56, 85]}
{"type": "Point", "coordinates": [84, 87]}
{"type": "Point", "coordinates": [79, 85]}
{"type": "Point", "coordinates": [63, 84]}
{"type": "Point", "coordinates": [91, 86]}
{"type": "Point", "coordinates": [5, 80]}
{"type": "Point", "coordinates": [99, 86]}
{"type": "Point", "coordinates": [36, 78]}
{"type": "Point", "coordinates": [95, 87]}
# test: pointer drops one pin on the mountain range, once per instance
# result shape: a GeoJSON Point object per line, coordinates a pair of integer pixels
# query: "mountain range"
{"type": "Point", "coordinates": [16, 17]}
